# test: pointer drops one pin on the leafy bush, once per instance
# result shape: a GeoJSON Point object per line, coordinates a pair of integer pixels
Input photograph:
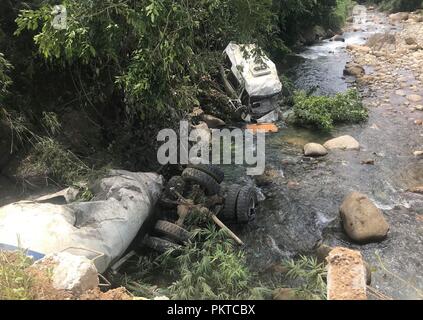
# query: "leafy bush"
{"type": "Point", "coordinates": [400, 5]}
{"type": "Point", "coordinates": [324, 112]}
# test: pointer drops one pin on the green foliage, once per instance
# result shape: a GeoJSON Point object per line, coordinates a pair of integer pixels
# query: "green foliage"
{"type": "Point", "coordinates": [15, 282]}
{"type": "Point", "coordinates": [209, 267]}
{"type": "Point", "coordinates": [311, 275]}
{"type": "Point", "coordinates": [400, 5]}
{"type": "Point", "coordinates": [49, 157]}
{"type": "Point", "coordinates": [324, 112]}
{"type": "Point", "coordinates": [5, 80]}
{"type": "Point", "coordinates": [338, 16]}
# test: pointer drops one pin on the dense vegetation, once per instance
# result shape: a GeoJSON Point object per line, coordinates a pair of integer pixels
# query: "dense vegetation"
{"type": "Point", "coordinates": [324, 112]}
{"type": "Point", "coordinates": [400, 5]}
{"type": "Point", "coordinates": [122, 70]}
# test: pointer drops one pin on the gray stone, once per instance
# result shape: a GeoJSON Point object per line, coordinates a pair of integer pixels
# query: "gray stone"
{"type": "Point", "coordinates": [343, 142]}
{"type": "Point", "coordinates": [314, 150]}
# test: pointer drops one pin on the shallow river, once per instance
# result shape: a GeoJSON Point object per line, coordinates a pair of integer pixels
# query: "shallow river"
{"type": "Point", "coordinates": [301, 208]}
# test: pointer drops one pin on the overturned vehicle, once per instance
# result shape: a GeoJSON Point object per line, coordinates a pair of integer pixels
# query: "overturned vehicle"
{"type": "Point", "coordinates": [251, 80]}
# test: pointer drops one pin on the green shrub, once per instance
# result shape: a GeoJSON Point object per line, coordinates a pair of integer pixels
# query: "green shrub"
{"type": "Point", "coordinates": [323, 112]}
{"type": "Point", "coordinates": [400, 5]}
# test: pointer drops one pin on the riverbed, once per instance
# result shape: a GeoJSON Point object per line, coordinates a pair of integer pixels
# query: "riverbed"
{"type": "Point", "coordinates": [301, 206]}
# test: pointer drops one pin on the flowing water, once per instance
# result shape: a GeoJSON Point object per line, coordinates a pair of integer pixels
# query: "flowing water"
{"type": "Point", "coordinates": [301, 206]}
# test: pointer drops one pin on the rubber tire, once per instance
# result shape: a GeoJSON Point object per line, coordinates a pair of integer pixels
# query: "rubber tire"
{"type": "Point", "coordinates": [246, 197]}
{"type": "Point", "coordinates": [159, 245]}
{"type": "Point", "coordinates": [214, 171]}
{"type": "Point", "coordinates": [229, 210]}
{"type": "Point", "coordinates": [172, 231]}
{"type": "Point", "coordinates": [176, 182]}
{"type": "Point", "coordinates": [204, 180]}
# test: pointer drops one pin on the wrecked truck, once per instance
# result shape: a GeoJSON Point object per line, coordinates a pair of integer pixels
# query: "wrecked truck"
{"type": "Point", "coordinates": [251, 80]}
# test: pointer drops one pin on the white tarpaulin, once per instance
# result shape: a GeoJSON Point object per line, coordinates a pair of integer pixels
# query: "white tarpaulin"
{"type": "Point", "coordinates": [258, 81]}
{"type": "Point", "coordinates": [106, 225]}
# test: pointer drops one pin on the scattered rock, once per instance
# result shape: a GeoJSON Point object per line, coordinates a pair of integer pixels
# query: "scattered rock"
{"type": "Point", "coordinates": [268, 177]}
{"type": "Point", "coordinates": [76, 274]}
{"type": "Point", "coordinates": [212, 121]}
{"type": "Point", "coordinates": [285, 294]}
{"type": "Point", "coordinates": [410, 41]}
{"type": "Point", "coordinates": [368, 161]}
{"type": "Point", "coordinates": [344, 142]}
{"type": "Point", "coordinates": [355, 47]}
{"type": "Point", "coordinates": [398, 17]}
{"type": "Point", "coordinates": [346, 279]}
{"type": "Point", "coordinates": [419, 108]}
{"type": "Point", "coordinates": [293, 184]}
{"type": "Point", "coordinates": [418, 153]}
{"type": "Point", "coordinates": [353, 69]}
{"type": "Point", "coordinates": [114, 294]}
{"type": "Point", "coordinates": [401, 93]}
{"type": "Point", "coordinates": [418, 122]}
{"type": "Point", "coordinates": [338, 38]}
{"type": "Point", "coordinates": [322, 252]}
{"type": "Point", "coordinates": [362, 220]}
{"type": "Point", "coordinates": [418, 190]}
{"type": "Point", "coordinates": [314, 150]}
{"type": "Point", "coordinates": [414, 98]}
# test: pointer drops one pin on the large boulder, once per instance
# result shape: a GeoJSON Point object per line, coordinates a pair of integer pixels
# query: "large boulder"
{"type": "Point", "coordinates": [338, 38]}
{"type": "Point", "coordinates": [354, 69]}
{"type": "Point", "coordinates": [362, 220]}
{"type": "Point", "coordinates": [346, 279]}
{"type": "Point", "coordinates": [399, 17]}
{"type": "Point", "coordinates": [343, 142]}
{"type": "Point", "coordinates": [314, 150]}
{"type": "Point", "coordinates": [69, 272]}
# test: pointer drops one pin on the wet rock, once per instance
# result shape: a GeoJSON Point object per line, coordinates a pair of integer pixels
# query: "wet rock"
{"type": "Point", "coordinates": [398, 17]}
{"type": "Point", "coordinates": [285, 294]}
{"type": "Point", "coordinates": [401, 93]}
{"type": "Point", "coordinates": [322, 252]}
{"type": "Point", "coordinates": [293, 184]}
{"type": "Point", "coordinates": [314, 150]}
{"type": "Point", "coordinates": [212, 121]}
{"type": "Point", "coordinates": [368, 161]}
{"type": "Point", "coordinates": [418, 190]}
{"type": "Point", "coordinates": [362, 220]}
{"type": "Point", "coordinates": [69, 272]}
{"type": "Point", "coordinates": [268, 177]}
{"type": "Point", "coordinates": [355, 47]}
{"type": "Point", "coordinates": [203, 131]}
{"type": "Point", "coordinates": [344, 142]}
{"type": "Point", "coordinates": [338, 38]}
{"type": "Point", "coordinates": [346, 279]}
{"type": "Point", "coordinates": [410, 41]}
{"type": "Point", "coordinates": [414, 98]}
{"type": "Point", "coordinates": [354, 69]}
